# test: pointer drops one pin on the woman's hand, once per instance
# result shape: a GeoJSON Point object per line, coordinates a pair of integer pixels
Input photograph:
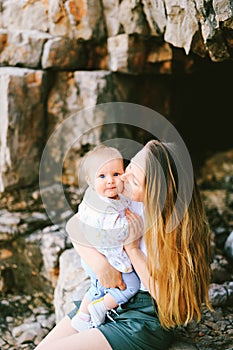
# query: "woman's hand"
{"type": "Point", "coordinates": [136, 227]}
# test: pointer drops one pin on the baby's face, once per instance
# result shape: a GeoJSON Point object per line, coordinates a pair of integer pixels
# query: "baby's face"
{"type": "Point", "coordinates": [107, 181]}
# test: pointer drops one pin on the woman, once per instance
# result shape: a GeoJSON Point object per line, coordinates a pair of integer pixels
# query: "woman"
{"type": "Point", "coordinates": [172, 260]}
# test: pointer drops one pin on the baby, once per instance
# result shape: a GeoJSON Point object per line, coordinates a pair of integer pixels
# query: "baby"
{"type": "Point", "coordinates": [101, 218]}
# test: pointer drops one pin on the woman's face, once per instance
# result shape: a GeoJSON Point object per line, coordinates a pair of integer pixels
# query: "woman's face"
{"type": "Point", "coordinates": [134, 178]}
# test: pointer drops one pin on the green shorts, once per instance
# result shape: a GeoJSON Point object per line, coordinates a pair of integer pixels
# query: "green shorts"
{"type": "Point", "coordinates": [136, 327]}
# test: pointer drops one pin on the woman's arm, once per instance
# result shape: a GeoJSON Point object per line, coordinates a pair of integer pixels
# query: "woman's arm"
{"type": "Point", "coordinates": [138, 261]}
{"type": "Point", "coordinates": [136, 256]}
{"type": "Point", "coordinates": [107, 275]}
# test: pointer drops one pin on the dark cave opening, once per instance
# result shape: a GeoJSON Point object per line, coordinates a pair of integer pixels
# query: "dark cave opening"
{"type": "Point", "coordinates": [197, 103]}
{"type": "Point", "coordinates": [201, 105]}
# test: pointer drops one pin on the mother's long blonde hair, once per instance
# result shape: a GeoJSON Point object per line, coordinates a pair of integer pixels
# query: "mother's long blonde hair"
{"type": "Point", "coordinates": [179, 261]}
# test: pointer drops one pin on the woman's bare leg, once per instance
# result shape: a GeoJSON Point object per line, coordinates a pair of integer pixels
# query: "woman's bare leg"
{"type": "Point", "coordinates": [62, 329]}
{"type": "Point", "coordinates": [63, 336]}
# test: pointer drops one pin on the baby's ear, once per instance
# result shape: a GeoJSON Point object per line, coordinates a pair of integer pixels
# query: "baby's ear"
{"type": "Point", "coordinates": [88, 180]}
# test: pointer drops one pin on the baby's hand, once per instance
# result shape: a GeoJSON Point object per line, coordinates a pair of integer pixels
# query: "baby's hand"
{"type": "Point", "coordinates": [109, 277]}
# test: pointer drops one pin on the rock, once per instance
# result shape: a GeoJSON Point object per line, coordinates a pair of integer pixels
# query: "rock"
{"type": "Point", "coordinates": [132, 17]}
{"type": "Point", "coordinates": [72, 283]}
{"type": "Point", "coordinates": [220, 269]}
{"type": "Point", "coordinates": [9, 219]}
{"type": "Point", "coordinates": [79, 124]}
{"type": "Point", "coordinates": [29, 319]}
{"type": "Point", "coordinates": [182, 346]}
{"type": "Point", "coordinates": [21, 133]}
{"type": "Point", "coordinates": [181, 25]}
{"type": "Point", "coordinates": [221, 295]}
{"type": "Point", "coordinates": [228, 247]}
{"type": "Point", "coordinates": [59, 22]}
{"type": "Point", "coordinates": [18, 16]}
{"type": "Point", "coordinates": [13, 224]}
{"type": "Point", "coordinates": [155, 13]}
{"type": "Point", "coordinates": [218, 168]}
{"type": "Point", "coordinates": [178, 24]}
{"type": "Point", "coordinates": [111, 14]}
{"type": "Point", "coordinates": [26, 332]}
{"type": "Point", "coordinates": [54, 241]}
{"type": "Point", "coordinates": [64, 53]}
{"type": "Point", "coordinates": [73, 19]}
{"type": "Point", "coordinates": [86, 19]}
{"type": "Point", "coordinates": [215, 199]}
{"type": "Point", "coordinates": [134, 53]}
{"type": "Point", "coordinates": [22, 48]}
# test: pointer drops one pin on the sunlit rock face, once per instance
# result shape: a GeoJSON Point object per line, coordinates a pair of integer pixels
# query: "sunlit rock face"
{"type": "Point", "coordinates": [22, 125]}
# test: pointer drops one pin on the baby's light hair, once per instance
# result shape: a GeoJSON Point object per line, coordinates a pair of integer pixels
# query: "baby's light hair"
{"type": "Point", "coordinates": [88, 164]}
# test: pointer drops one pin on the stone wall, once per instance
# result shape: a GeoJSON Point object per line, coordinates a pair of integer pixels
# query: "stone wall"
{"type": "Point", "coordinates": [77, 47]}
{"type": "Point", "coordinates": [64, 34]}
{"type": "Point", "coordinates": [58, 58]}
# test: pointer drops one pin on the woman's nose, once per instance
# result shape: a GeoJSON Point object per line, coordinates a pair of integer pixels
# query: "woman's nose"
{"type": "Point", "coordinates": [123, 177]}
